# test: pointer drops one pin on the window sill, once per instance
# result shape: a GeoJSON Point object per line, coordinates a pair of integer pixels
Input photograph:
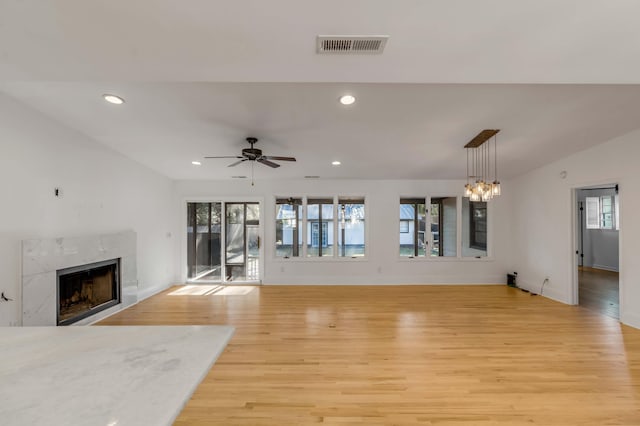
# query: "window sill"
{"type": "Point", "coordinates": [320, 259]}
{"type": "Point", "coordinates": [437, 259]}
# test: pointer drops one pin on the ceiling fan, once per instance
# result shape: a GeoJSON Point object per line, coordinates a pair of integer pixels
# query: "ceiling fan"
{"type": "Point", "coordinates": [255, 154]}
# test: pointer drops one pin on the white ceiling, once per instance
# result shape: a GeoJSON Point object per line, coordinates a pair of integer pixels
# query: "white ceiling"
{"type": "Point", "coordinates": [199, 79]}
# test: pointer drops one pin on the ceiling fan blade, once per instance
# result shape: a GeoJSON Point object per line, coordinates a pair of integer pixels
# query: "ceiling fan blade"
{"type": "Point", "coordinates": [237, 162]}
{"type": "Point", "coordinates": [227, 156]}
{"type": "Point", "coordinates": [271, 157]}
{"type": "Point", "coordinates": [266, 162]}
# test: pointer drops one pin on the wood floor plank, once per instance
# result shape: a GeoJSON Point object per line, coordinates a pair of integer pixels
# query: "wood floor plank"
{"type": "Point", "coordinates": [599, 291]}
{"type": "Point", "coordinates": [427, 355]}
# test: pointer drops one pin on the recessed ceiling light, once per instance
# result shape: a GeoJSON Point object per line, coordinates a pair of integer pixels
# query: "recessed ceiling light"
{"type": "Point", "coordinates": [113, 99]}
{"type": "Point", "coordinates": [238, 177]}
{"type": "Point", "coordinates": [347, 99]}
{"type": "Point", "coordinates": [312, 177]}
{"type": "Point", "coordinates": [196, 163]}
{"type": "Point", "coordinates": [335, 163]}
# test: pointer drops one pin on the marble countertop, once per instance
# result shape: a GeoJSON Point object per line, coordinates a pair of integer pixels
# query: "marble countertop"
{"type": "Point", "coordinates": [108, 376]}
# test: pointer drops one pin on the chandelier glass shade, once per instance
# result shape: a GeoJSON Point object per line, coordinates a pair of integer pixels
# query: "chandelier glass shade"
{"type": "Point", "coordinates": [482, 167]}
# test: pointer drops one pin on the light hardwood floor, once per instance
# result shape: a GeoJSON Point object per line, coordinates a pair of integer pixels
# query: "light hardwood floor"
{"type": "Point", "coordinates": [395, 355]}
{"type": "Point", "coordinates": [599, 291]}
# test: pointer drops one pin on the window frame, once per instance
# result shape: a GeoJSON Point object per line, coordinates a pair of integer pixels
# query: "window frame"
{"type": "Point", "coordinates": [298, 209]}
{"type": "Point", "coordinates": [473, 243]}
{"type": "Point", "coordinates": [305, 229]}
{"type": "Point", "coordinates": [415, 202]}
{"type": "Point", "coordinates": [595, 219]}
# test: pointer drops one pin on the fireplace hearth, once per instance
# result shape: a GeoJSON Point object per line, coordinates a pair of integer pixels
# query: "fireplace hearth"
{"type": "Point", "coordinates": [87, 289]}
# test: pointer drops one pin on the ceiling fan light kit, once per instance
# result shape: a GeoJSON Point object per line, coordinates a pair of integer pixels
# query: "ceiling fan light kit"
{"type": "Point", "coordinates": [479, 186]}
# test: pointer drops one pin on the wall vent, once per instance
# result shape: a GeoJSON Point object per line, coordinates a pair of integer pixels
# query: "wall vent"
{"type": "Point", "coordinates": [331, 45]}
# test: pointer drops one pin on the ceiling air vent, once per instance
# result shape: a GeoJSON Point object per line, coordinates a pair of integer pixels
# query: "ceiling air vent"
{"type": "Point", "coordinates": [330, 45]}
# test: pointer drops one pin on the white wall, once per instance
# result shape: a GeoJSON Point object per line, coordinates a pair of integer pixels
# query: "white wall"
{"type": "Point", "coordinates": [449, 235]}
{"type": "Point", "coordinates": [542, 234]}
{"type": "Point", "coordinates": [382, 264]}
{"type": "Point", "coordinates": [102, 192]}
{"type": "Point", "coordinates": [600, 245]}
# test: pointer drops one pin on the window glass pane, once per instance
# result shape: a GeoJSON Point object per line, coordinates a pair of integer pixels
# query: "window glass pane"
{"type": "Point", "coordinates": [407, 239]}
{"type": "Point", "coordinates": [351, 235]}
{"type": "Point", "coordinates": [253, 212]}
{"type": "Point", "coordinates": [617, 209]}
{"type": "Point", "coordinates": [444, 218]}
{"type": "Point", "coordinates": [327, 211]}
{"type": "Point", "coordinates": [288, 223]}
{"type": "Point", "coordinates": [313, 211]}
{"type": "Point", "coordinates": [203, 241]}
{"type": "Point", "coordinates": [592, 212]}
{"type": "Point", "coordinates": [607, 212]}
{"type": "Point", "coordinates": [413, 212]}
{"type": "Point", "coordinates": [474, 228]}
{"type": "Point", "coordinates": [320, 227]}
{"type": "Point", "coordinates": [422, 229]}
{"type": "Point", "coordinates": [235, 234]}
{"type": "Point", "coordinates": [203, 238]}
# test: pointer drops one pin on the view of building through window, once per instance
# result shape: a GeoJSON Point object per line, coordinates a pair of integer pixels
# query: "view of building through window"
{"type": "Point", "coordinates": [444, 227]}
{"type": "Point", "coordinates": [320, 227]}
{"type": "Point", "coordinates": [412, 227]}
{"type": "Point", "coordinates": [351, 236]}
{"type": "Point", "coordinates": [288, 225]}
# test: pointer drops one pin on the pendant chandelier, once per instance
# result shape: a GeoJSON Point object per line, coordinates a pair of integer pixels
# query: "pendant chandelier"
{"type": "Point", "coordinates": [482, 172]}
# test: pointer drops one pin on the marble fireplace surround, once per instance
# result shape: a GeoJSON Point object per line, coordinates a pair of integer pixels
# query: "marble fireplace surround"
{"type": "Point", "coordinates": [41, 258]}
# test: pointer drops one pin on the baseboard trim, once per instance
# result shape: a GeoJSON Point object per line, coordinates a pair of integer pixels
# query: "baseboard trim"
{"type": "Point", "coordinates": [548, 291]}
{"type": "Point", "coordinates": [605, 268]}
{"type": "Point", "coordinates": [147, 293]}
{"type": "Point", "coordinates": [632, 320]}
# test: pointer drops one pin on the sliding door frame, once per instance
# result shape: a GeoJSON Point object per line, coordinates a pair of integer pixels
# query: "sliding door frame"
{"type": "Point", "coordinates": [223, 237]}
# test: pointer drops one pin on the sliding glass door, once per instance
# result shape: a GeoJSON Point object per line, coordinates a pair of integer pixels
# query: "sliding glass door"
{"type": "Point", "coordinates": [242, 242]}
{"type": "Point", "coordinates": [203, 241]}
{"type": "Point", "coordinates": [237, 237]}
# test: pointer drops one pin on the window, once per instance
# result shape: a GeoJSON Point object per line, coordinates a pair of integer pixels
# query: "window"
{"type": "Point", "coordinates": [606, 218]}
{"type": "Point", "coordinates": [443, 227]}
{"type": "Point", "coordinates": [602, 212]}
{"type": "Point", "coordinates": [593, 212]}
{"type": "Point", "coordinates": [474, 228]}
{"type": "Point", "coordinates": [478, 225]}
{"type": "Point", "coordinates": [413, 243]}
{"type": "Point", "coordinates": [319, 227]}
{"type": "Point", "coordinates": [288, 225]}
{"type": "Point", "coordinates": [617, 208]}
{"type": "Point", "coordinates": [351, 235]}
{"type": "Point", "coordinates": [404, 226]}
{"type": "Point", "coordinates": [316, 235]}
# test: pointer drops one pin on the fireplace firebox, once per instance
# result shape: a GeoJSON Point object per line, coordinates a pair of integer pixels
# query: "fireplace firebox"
{"type": "Point", "coordinates": [87, 289]}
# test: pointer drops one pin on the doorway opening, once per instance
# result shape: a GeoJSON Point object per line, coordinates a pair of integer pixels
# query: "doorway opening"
{"type": "Point", "coordinates": [223, 242]}
{"type": "Point", "coordinates": [597, 249]}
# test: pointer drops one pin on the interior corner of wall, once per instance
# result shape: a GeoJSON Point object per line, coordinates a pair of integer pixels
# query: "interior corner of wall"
{"type": "Point", "coordinates": [631, 319]}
